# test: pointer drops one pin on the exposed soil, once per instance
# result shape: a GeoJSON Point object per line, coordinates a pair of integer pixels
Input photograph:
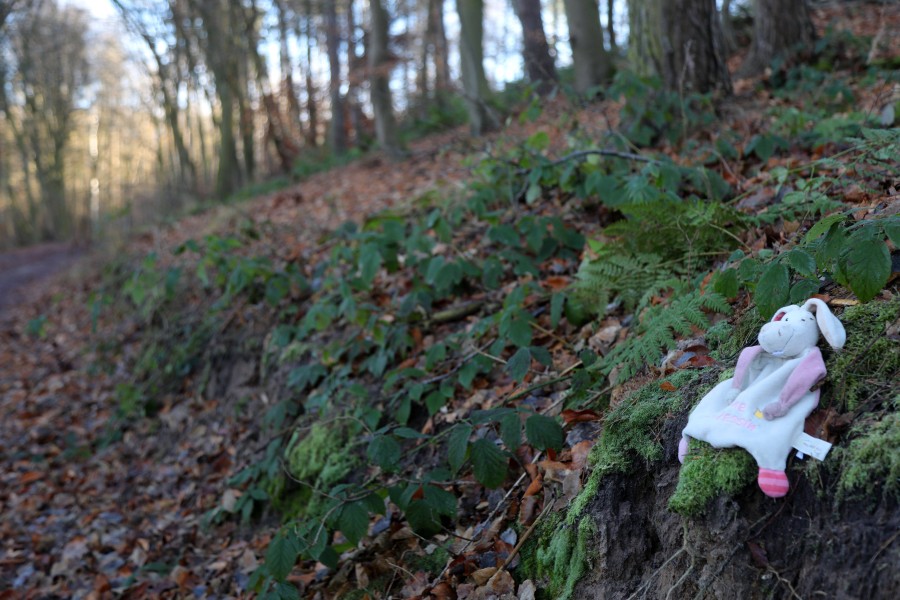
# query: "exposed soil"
{"type": "Point", "coordinates": [746, 547]}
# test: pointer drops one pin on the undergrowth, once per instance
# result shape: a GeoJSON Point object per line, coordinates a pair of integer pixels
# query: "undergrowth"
{"type": "Point", "coordinates": [391, 324]}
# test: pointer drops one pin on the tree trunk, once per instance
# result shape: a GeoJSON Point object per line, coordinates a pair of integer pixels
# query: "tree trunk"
{"type": "Point", "coordinates": [781, 29]}
{"type": "Point", "coordinates": [471, 53]}
{"type": "Point", "coordinates": [611, 27]}
{"type": "Point", "coordinates": [337, 134]}
{"type": "Point", "coordinates": [380, 71]}
{"type": "Point", "coordinates": [535, 50]}
{"type": "Point", "coordinates": [681, 42]}
{"type": "Point", "coordinates": [312, 111]}
{"type": "Point", "coordinates": [441, 53]}
{"type": "Point", "coordinates": [591, 62]}
{"type": "Point", "coordinates": [693, 47]}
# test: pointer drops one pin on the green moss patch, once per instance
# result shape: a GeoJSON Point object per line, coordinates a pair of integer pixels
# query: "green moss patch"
{"type": "Point", "coordinates": [315, 463]}
{"type": "Point", "coordinates": [869, 364]}
{"type": "Point", "coordinates": [560, 556]}
{"type": "Point", "coordinates": [708, 473]}
{"type": "Point", "coordinates": [871, 462]}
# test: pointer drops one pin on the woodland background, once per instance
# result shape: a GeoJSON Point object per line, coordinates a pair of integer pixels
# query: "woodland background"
{"type": "Point", "coordinates": [413, 298]}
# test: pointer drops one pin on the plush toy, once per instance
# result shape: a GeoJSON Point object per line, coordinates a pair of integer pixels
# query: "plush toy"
{"type": "Point", "coordinates": [763, 407]}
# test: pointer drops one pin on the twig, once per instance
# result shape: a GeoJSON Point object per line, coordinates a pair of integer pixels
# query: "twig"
{"type": "Point", "coordinates": [547, 506]}
{"type": "Point", "coordinates": [781, 579]}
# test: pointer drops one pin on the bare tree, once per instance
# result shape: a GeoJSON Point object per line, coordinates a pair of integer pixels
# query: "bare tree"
{"type": "Point", "coordinates": [589, 57]}
{"type": "Point", "coordinates": [781, 29]}
{"type": "Point", "coordinates": [471, 51]}
{"type": "Point", "coordinates": [536, 52]}
{"type": "Point", "coordinates": [380, 65]}
{"type": "Point", "coordinates": [681, 41]}
{"type": "Point", "coordinates": [49, 48]}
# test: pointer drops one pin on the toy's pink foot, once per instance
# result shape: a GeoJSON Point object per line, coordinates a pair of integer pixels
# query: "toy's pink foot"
{"type": "Point", "coordinates": [774, 484]}
{"type": "Point", "coordinates": [682, 449]}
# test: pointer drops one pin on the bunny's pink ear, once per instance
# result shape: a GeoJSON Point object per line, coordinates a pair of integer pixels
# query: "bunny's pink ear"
{"type": "Point", "coordinates": [778, 316]}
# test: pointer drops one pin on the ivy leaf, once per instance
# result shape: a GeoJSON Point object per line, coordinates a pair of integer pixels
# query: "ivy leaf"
{"type": "Point", "coordinates": [354, 521]}
{"type": "Point", "coordinates": [773, 290]}
{"type": "Point", "coordinates": [281, 556]}
{"type": "Point", "coordinates": [517, 366]}
{"type": "Point", "coordinates": [543, 432]}
{"type": "Point", "coordinates": [489, 463]}
{"type": "Point", "coordinates": [511, 431]}
{"type": "Point", "coordinates": [868, 268]}
{"type": "Point", "coordinates": [457, 444]}
{"type": "Point", "coordinates": [385, 451]}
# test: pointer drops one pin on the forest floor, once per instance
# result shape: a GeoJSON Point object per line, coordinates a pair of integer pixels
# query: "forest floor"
{"type": "Point", "coordinates": [22, 269]}
{"type": "Point", "coordinates": [98, 501]}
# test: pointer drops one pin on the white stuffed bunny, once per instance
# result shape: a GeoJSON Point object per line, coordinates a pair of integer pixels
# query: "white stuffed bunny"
{"type": "Point", "coordinates": [763, 407]}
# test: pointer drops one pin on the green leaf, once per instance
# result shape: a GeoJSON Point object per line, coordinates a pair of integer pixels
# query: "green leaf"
{"type": "Point", "coordinates": [373, 503]}
{"type": "Point", "coordinates": [538, 141]}
{"type": "Point", "coordinates": [542, 355]}
{"type": "Point", "coordinates": [504, 234]}
{"type": "Point", "coordinates": [408, 433]}
{"type": "Point", "coordinates": [424, 519]}
{"type": "Point", "coordinates": [892, 230]}
{"type": "Point", "coordinates": [511, 431]}
{"type": "Point", "coordinates": [519, 331]}
{"type": "Point", "coordinates": [489, 463]}
{"type": "Point", "coordinates": [385, 452]}
{"type": "Point", "coordinates": [726, 283]}
{"type": "Point", "coordinates": [518, 364]}
{"type": "Point", "coordinates": [557, 303]}
{"type": "Point", "coordinates": [802, 262]}
{"type": "Point", "coordinates": [803, 289]}
{"type": "Point", "coordinates": [773, 290]}
{"type": "Point", "coordinates": [440, 500]}
{"type": "Point", "coordinates": [457, 444]}
{"type": "Point", "coordinates": [868, 268]}
{"type": "Point", "coordinates": [822, 226]}
{"type": "Point", "coordinates": [533, 193]}
{"type": "Point", "coordinates": [281, 555]}
{"type": "Point", "coordinates": [354, 521]}
{"type": "Point", "coordinates": [544, 432]}
{"type": "Point", "coordinates": [286, 591]}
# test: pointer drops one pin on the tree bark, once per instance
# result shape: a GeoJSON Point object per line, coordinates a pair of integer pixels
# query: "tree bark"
{"type": "Point", "coordinates": [535, 51]}
{"type": "Point", "coordinates": [589, 57]}
{"type": "Point", "coordinates": [681, 42]}
{"type": "Point", "coordinates": [781, 29]}
{"type": "Point", "coordinates": [380, 69]}
{"type": "Point", "coordinates": [471, 13]}
{"type": "Point", "coordinates": [337, 134]}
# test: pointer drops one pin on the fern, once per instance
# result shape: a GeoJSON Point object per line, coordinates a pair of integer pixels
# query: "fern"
{"type": "Point", "coordinates": [658, 329]}
{"type": "Point", "coordinates": [617, 275]}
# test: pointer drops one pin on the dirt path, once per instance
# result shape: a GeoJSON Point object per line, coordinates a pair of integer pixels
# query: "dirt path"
{"type": "Point", "coordinates": [21, 268]}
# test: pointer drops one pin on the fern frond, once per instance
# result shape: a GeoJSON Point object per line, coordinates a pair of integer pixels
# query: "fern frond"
{"type": "Point", "coordinates": [658, 330]}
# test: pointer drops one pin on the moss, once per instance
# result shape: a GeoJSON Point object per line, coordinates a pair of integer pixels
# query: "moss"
{"type": "Point", "coordinates": [871, 462]}
{"type": "Point", "coordinates": [558, 552]}
{"type": "Point", "coordinates": [319, 460]}
{"type": "Point", "coordinates": [708, 473]}
{"type": "Point", "coordinates": [869, 364]}
{"type": "Point", "coordinates": [432, 563]}
{"type": "Point", "coordinates": [633, 428]}
{"type": "Point", "coordinates": [564, 556]}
